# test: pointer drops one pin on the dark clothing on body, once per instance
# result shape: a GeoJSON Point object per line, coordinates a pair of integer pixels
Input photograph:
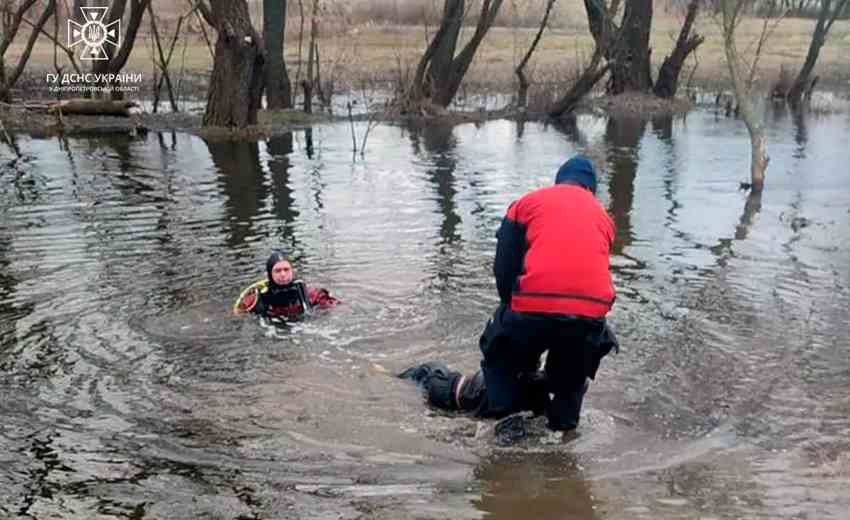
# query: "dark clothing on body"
{"type": "Point", "coordinates": [552, 274]}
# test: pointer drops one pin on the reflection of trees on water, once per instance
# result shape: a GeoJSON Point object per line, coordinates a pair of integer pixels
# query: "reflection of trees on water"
{"type": "Point", "coordinates": [534, 485]}
{"type": "Point", "coordinates": [662, 126]}
{"type": "Point", "coordinates": [568, 125]}
{"type": "Point", "coordinates": [160, 137]}
{"type": "Point", "coordinates": [121, 146]}
{"type": "Point", "coordinates": [308, 142]}
{"type": "Point", "coordinates": [779, 112]}
{"type": "Point", "coordinates": [623, 135]}
{"type": "Point", "coordinates": [317, 185]}
{"type": "Point", "coordinates": [12, 144]}
{"type": "Point", "coordinates": [439, 142]}
{"type": "Point", "coordinates": [436, 144]}
{"type": "Point", "coordinates": [9, 314]}
{"type": "Point", "coordinates": [283, 202]}
{"type": "Point", "coordinates": [752, 207]}
{"type": "Point", "coordinates": [723, 248]}
{"type": "Point", "coordinates": [801, 131]}
{"type": "Point", "coordinates": [242, 184]}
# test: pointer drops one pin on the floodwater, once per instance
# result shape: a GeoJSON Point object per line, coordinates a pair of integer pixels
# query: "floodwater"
{"type": "Point", "coordinates": [128, 391]}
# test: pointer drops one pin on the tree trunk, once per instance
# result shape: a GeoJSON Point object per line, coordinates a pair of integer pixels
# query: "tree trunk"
{"type": "Point", "coordinates": [826, 18]}
{"type": "Point", "coordinates": [13, 24]}
{"type": "Point", "coordinates": [120, 56]}
{"type": "Point", "coordinates": [758, 157]}
{"type": "Point", "coordinates": [630, 56]}
{"type": "Point", "coordinates": [307, 83]}
{"type": "Point", "coordinates": [100, 107]}
{"type": "Point", "coordinates": [7, 81]}
{"type": "Point", "coordinates": [447, 90]}
{"type": "Point", "coordinates": [5, 96]}
{"type": "Point", "coordinates": [237, 77]}
{"type": "Point", "coordinates": [440, 67]}
{"type": "Point", "coordinates": [278, 87]}
{"type": "Point", "coordinates": [668, 74]}
{"type": "Point", "coordinates": [522, 94]}
{"type": "Point", "coordinates": [449, 27]}
{"type": "Point", "coordinates": [163, 63]}
{"type": "Point", "coordinates": [601, 25]}
{"type": "Point", "coordinates": [758, 139]}
{"type": "Point", "coordinates": [440, 73]}
{"type": "Point", "coordinates": [585, 83]}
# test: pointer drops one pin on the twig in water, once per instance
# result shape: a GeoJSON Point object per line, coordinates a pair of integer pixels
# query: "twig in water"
{"type": "Point", "coordinates": [8, 139]}
{"type": "Point", "coordinates": [6, 135]}
{"type": "Point", "coordinates": [351, 121]}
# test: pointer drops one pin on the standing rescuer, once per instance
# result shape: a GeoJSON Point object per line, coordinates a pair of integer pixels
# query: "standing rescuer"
{"type": "Point", "coordinates": [552, 274]}
{"type": "Point", "coordinates": [551, 270]}
{"type": "Point", "coordinates": [280, 295]}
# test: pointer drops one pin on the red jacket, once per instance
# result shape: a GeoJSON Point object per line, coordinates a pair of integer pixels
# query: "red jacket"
{"type": "Point", "coordinates": [552, 253]}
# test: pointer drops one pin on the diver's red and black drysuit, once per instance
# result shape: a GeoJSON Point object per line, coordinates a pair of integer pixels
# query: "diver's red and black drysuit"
{"type": "Point", "coordinates": [290, 301]}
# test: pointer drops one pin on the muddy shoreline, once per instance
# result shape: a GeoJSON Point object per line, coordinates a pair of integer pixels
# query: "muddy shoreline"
{"type": "Point", "coordinates": [39, 124]}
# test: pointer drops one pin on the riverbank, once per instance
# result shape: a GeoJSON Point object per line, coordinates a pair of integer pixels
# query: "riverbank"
{"type": "Point", "coordinates": [40, 123]}
{"type": "Point", "coordinates": [360, 58]}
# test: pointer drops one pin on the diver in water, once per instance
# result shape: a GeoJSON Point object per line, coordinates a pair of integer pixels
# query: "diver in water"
{"type": "Point", "coordinates": [280, 295]}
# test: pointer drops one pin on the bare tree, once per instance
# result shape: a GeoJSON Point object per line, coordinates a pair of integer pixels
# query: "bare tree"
{"type": "Point", "coordinates": [308, 83]}
{"type": "Point", "coordinates": [278, 87]}
{"type": "Point", "coordinates": [731, 11]}
{"type": "Point", "coordinates": [440, 70]}
{"type": "Point", "coordinates": [522, 95]}
{"type": "Point", "coordinates": [625, 46]}
{"type": "Point", "coordinates": [626, 49]}
{"type": "Point", "coordinates": [236, 85]}
{"type": "Point", "coordinates": [600, 20]}
{"type": "Point", "coordinates": [630, 53]}
{"type": "Point", "coordinates": [591, 75]}
{"type": "Point", "coordinates": [827, 16]}
{"type": "Point", "coordinates": [162, 59]}
{"type": "Point", "coordinates": [668, 75]}
{"type": "Point", "coordinates": [11, 16]}
{"type": "Point", "coordinates": [115, 12]}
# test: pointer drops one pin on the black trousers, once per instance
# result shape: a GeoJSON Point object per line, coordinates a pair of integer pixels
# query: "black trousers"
{"type": "Point", "coordinates": [512, 344]}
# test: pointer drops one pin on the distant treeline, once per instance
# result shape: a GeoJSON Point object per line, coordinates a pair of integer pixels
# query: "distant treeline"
{"type": "Point", "coordinates": [788, 8]}
{"type": "Point", "coordinates": [527, 13]}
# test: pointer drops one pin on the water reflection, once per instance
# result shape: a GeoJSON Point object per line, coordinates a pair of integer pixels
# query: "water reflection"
{"type": "Point", "coordinates": [662, 126]}
{"type": "Point", "coordinates": [242, 184]}
{"type": "Point", "coordinates": [534, 485]}
{"type": "Point", "coordinates": [160, 137]}
{"type": "Point", "coordinates": [9, 313]}
{"type": "Point", "coordinates": [801, 132]}
{"type": "Point", "coordinates": [438, 143]}
{"type": "Point", "coordinates": [280, 148]}
{"type": "Point", "coordinates": [623, 137]}
{"type": "Point", "coordinates": [308, 142]}
{"type": "Point", "coordinates": [723, 248]}
{"type": "Point", "coordinates": [569, 127]}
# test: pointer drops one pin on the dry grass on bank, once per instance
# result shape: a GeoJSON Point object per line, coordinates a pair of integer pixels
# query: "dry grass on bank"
{"type": "Point", "coordinates": [359, 54]}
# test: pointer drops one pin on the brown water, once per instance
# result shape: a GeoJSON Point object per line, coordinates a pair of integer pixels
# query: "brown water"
{"type": "Point", "coordinates": [129, 392]}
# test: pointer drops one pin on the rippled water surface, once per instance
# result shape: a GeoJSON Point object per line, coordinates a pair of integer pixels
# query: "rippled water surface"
{"type": "Point", "coordinates": [129, 391]}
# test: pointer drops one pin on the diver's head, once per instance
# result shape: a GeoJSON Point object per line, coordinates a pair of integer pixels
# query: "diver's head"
{"type": "Point", "coordinates": [279, 269]}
